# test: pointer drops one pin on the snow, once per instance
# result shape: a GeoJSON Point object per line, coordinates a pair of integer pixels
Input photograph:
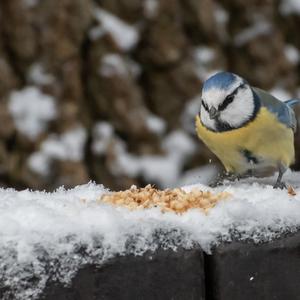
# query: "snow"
{"type": "Point", "coordinates": [151, 8]}
{"type": "Point", "coordinates": [62, 231]}
{"type": "Point", "coordinates": [39, 162]}
{"type": "Point", "coordinates": [204, 56]}
{"type": "Point", "coordinates": [292, 54]}
{"type": "Point", "coordinates": [204, 174]}
{"type": "Point", "coordinates": [115, 65]}
{"type": "Point", "coordinates": [102, 136]}
{"type": "Point", "coordinates": [280, 93]}
{"type": "Point", "coordinates": [259, 28]}
{"type": "Point", "coordinates": [38, 76]}
{"type": "Point", "coordinates": [124, 35]}
{"type": "Point", "coordinates": [191, 109]}
{"type": "Point", "coordinates": [68, 146]}
{"type": "Point", "coordinates": [31, 3]}
{"type": "Point", "coordinates": [288, 7]}
{"type": "Point", "coordinates": [155, 124]}
{"type": "Point", "coordinates": [221, 15]}
{"type": "Point", "coordinates": [31, 111]}
{"type": "Point", "coordinates": [163, 169]}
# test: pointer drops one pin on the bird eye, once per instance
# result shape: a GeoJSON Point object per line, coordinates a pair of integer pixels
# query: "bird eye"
{"type": "Point", "coordinates": [204, 105]}
{"type": "Point", "coordinates": [229, 98]}
{"type": "Point", "coordinates": [226, 102]}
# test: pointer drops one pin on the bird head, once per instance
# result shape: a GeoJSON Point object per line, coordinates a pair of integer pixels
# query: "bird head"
{"type": "Point", "coordinates": [227, 102]}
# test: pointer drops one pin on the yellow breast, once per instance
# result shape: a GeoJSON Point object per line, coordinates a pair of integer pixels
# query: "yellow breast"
{"type": "Point", "coordinates": [265, 137]}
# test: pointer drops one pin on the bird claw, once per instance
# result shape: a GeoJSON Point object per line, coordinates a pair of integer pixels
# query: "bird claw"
{"type": "Point", "coordinates": [222, 177]}
{"type": "Point", "coordinates": [280, 185]}
{"type": "Point", "coordinates": [215, 183]}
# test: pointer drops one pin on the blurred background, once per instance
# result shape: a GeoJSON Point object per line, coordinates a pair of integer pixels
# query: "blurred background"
{"type": "Point", "coordinates": [107, 90]}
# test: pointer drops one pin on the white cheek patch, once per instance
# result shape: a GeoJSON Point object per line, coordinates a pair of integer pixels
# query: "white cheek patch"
{"type": "Point", "coordinates": [240, 110]}
{"type": "Point", "coordinates": [206, 120]}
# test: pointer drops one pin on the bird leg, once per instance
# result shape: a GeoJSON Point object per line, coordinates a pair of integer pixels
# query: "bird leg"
{"type": "Point", "coordinates": [224, 176]}
{"type": "Point", "coordinates": [279, 184]}
{"type": "Point", "coordinates": [229, 176]}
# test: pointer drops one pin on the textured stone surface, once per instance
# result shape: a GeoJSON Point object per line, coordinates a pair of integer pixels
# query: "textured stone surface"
{"type": "Point", "coordinates": [160, 275]}
{"type": "Point", "coordinates": [234, 271]}
{"type": "Point", "coordinates": [246, 271]}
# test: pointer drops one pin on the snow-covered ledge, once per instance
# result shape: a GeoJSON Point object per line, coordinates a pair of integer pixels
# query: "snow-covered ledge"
{"type": "Point", "coordinates": [47, 239]}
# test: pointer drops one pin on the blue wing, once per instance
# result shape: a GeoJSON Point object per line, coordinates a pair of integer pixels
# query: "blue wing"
{"type": "Point", "coordinates": [282, 110]}
{"type": "Point", "coordinates": [292, 102]}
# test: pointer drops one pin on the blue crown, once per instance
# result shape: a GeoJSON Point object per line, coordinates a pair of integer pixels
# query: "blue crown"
{"type": "Point", "coordinates": [221, 80]}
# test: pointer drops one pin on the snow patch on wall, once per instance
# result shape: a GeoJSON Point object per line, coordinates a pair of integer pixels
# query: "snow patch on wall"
{"type": "Point", "coordinates": [221, 15]}
{"type": "Point", "coordinates": [124, 35]}
{"type": "Point", "coordinates": [204, 174]}
{"type": "Point", "coordinates": [102, 137]}
{"type": "Point", "coordinates": [289, 7]}
{"type": "Point", "coordinates": [164, 169]}
{"type": "Point", "coordinates": [280, 93]}
{"type": "Point", "coordinates": [31, 110]}
{"type": "Point", "coordinates": [204, 56]}
{"type": "Point", "coordinates": [31, 3]}
{"type": "Point", "coordinates": [151, 8]}
{"type": "Point", "coordinates": [155, 124]}
{"type": "Point", "coordinates": [115, 65]}
{"type": "Point", "coordinates": [68, 146]}
{"type": "Point", "coordinates": [259, 28]}
{"type": "Point", "coordinates": [190, 112]}
{"type": "Point", "coordinates": [37, 75]}
{"type": "Point", "coordinates": [292, 54]}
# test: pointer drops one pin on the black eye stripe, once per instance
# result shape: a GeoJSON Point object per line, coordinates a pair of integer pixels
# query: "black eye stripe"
{"type": "Point", "coordinates": [229, 99]}
{"type": "Point", "coordinates": [204, 105]}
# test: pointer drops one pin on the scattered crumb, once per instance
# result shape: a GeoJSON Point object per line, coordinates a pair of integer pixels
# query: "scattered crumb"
{"type": "Point", "coordinates": [169, 200]}
{"type": "Point", "coordinates": [291, 191]}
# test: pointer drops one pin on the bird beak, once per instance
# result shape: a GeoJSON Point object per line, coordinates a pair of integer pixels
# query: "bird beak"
{"type": "Point", "coordinates": [213, 113]}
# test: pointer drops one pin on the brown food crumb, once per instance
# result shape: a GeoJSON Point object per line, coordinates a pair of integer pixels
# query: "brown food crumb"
{"type": "Point", "coordinates": [291, 191]}
{"type": "Point", "coordinates": [174, 200]}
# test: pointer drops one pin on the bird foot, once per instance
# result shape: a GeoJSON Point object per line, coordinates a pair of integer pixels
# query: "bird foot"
{"type": "Point", "coordinates": [215, 183]}
{"type": "Point", "coordinates": [280, 185]}
{"type": "Point", "coordinates": [222, 177]}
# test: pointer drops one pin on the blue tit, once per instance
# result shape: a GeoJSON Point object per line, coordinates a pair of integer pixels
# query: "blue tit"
{"type": "Point", "coordinates": [248, 129]}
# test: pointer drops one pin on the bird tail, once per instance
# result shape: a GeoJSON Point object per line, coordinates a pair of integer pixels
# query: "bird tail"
{"type": "Point", "coordinates": [292, 102]}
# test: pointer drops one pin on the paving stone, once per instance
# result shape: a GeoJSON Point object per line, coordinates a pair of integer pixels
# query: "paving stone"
{"type": "Point", "coordinates": [161, 275]}
{"type": "Point", "coordinates": [246, 271]}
